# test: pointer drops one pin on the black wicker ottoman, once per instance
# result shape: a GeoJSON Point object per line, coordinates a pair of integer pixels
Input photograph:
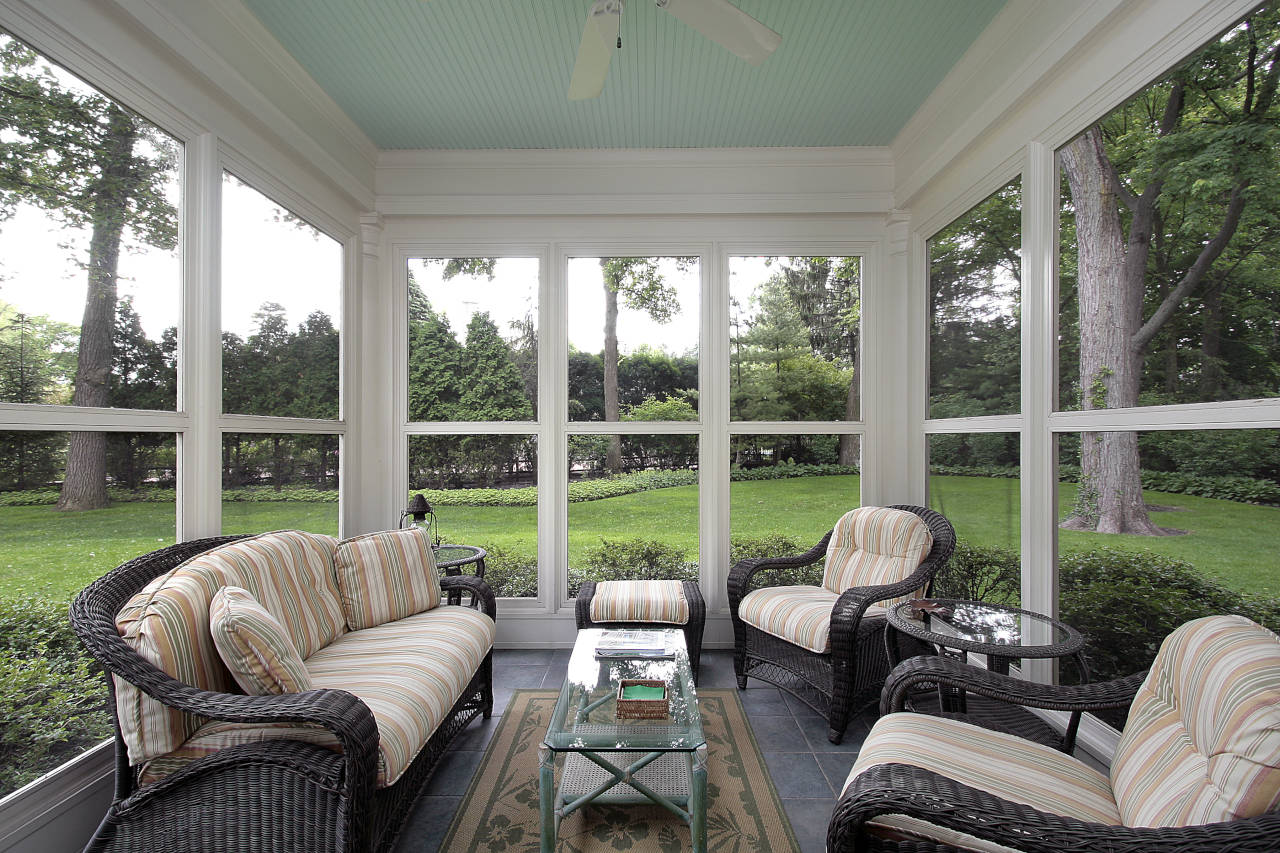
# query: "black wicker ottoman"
{"type": "Point", "coordinates": [645, 604]}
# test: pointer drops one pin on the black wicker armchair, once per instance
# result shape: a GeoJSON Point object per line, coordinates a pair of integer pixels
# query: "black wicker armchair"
{"type": "Point", "coordinates": [836, 682]}
{"type": "Point", "coordinates": [277, 795]}
{"type": "Point", "coordinates": [905, 795]}
{"type": "Point", "coordinates": [692, 629]}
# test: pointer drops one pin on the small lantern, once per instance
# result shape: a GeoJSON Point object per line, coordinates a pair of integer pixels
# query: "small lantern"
{"type": "Point", "coordinates": [417, 515]}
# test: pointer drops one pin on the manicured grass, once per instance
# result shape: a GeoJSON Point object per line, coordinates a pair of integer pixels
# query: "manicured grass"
{"type": "Point", "coordinates": [58, 553]}
{"type": "Point", "coordinates": [1236, 543]}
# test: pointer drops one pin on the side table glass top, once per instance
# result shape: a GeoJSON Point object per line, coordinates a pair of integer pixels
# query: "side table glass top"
{"type": "Point", "coordinates": [452, 556]}
{"type": "Point", "coordinates": [981, 623]}
{"type": "Point", "coordinates": [585, 716]}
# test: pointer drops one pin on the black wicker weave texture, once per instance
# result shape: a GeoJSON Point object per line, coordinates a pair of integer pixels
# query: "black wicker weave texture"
{"type": "Point", "coordinates": [837, 683]}
{"type": "Point", "coordinates": [940, 800]}
{"type": "Point", "coordinates": [278, 795]}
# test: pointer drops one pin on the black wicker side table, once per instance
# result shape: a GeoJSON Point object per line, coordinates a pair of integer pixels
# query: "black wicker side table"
{"type": "Point", "coordinates": [959, 628]}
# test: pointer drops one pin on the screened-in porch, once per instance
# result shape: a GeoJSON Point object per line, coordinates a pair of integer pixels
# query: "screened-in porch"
{"type": "Point", "coordinates": [341, 268]}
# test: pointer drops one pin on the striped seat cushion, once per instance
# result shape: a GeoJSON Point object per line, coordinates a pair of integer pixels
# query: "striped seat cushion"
{"type": "Point", "coordinates": [874, 545]}
{"type": "Point", "coordinates": [1202, 742]}
{"type": "Point", "coordinates": [254, 646]}
{"type": "Point", "coordinates": [801, 615]}
{"type": "Point", "coordinates": [640, 601]}
{"type": "Point", "coordinates": [1006, 766]}
{"type": "Point", "coordinates": [289, 572]}
{"type": "Point", "coordinates": [386, 576]}
{"type": "Point", "coordinates": [409, 673]}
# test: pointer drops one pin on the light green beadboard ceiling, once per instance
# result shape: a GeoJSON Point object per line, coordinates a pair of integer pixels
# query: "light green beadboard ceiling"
{"type": "Point", "coordinates": [471, 74]}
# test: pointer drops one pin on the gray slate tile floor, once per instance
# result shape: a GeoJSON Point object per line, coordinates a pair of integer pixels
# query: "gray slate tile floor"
{"type": "Point", "coordinates": [807, 769]}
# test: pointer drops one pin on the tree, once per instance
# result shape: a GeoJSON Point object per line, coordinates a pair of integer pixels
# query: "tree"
{"type": "Point", "coordinates": [37, 360]}
{"type": "Point", "coordinates": [826, 293]}
{"type": "Point", "coordinates": [642, 287]}
{"type": "Point", "coordinates": [1196, 150]}
{"type": "Point", "coordinates": [144, 375]}
{"type": "Point", "coordinates": [92, 164]}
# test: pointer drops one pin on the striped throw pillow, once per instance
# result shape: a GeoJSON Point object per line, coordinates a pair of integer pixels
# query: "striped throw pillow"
{"type": "Point", "coordinates": [254, 645]}
{"type": "Point", "coordinates": [386, 576]}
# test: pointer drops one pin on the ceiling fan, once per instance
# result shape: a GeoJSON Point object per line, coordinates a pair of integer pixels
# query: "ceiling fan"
{"type": "Point", "coordinates": [718, 20]}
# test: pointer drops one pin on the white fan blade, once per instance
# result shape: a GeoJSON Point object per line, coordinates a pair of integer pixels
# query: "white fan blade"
{"type": "Point", "coordinates": [726, 25]}
{"type": "Point", "coordinates": [599, 35]}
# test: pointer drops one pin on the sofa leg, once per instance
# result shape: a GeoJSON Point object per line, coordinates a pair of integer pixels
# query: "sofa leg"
{"type": "Point", "coordinates": [835, 735]}
{"type": "Point", "coordinates": [742, 682]}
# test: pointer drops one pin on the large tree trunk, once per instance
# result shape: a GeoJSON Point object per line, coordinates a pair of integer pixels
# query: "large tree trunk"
{"type": "Point", "coordinates": [1110, 294]}
{"type": "Point", "coordinates": [613, 458]}
{"type": "Point", "coordinates": [85, 485]}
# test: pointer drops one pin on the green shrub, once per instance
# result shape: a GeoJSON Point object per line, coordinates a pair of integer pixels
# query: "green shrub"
{"type": "Point", "coordinates": [979, 573]}
{"type": "Point", "coordinates": [1126, 603]}
{"type": "Point", "coordinates": [776, 545]}
{"type": "Point", "coordinates": [633, 559]}
{"type": "Point", "coordinates": [53, 700]}
{"type": "Point", "coordinates": [511, 574]}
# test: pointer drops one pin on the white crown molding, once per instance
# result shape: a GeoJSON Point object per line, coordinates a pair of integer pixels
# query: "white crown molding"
{"type": "Point", "coordinates": [208, 35]}
{"type": "Point", "coordinates": [650, 181]}
{"type": "Point", "coordinates": [663, 158]}
{"type": "Point", "coordinates": [633, 203]}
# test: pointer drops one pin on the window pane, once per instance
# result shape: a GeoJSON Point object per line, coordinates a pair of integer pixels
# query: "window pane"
{"type": "Point", "coordinates": [54, 701]}
{"type": "Point", "coordinates": [639, 524]}
{"type": "Point", "coordinates": [975, 280]}
{"type": "Point", "coordinates": [786, 492]}
{"type": "Point", "coordinates": [633, 339]}
{"type": "Point", "coordinates": [1167, 280]}
{"type": "Point", "coordinates": [1203, 535]}
{"type": "Point", "coordinates": [473, 339]}
{"type": "Point", "coordinates": [281, 309]}
{"type": "Point", "coordinates": [483, 490]}
{"type": "Point", "coordinates": [974, 480]}
{"type": "Point", "coordinates": [278, 481]}
{"type": "Point", "coordinates": [794, 333]}
{"type": "Point", "coordinates": [90, 269]}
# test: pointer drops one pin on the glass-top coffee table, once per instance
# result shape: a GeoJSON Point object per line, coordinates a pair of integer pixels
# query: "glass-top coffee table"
{"type": "Point", "coordinates": [660, 759]}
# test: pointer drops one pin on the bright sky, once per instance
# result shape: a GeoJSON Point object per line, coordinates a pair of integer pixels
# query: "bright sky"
{"type": "Point", "coordinates": [513, 293]}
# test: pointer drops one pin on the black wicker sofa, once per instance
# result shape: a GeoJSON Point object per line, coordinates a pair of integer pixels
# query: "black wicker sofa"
{"type": "Point", "coordinates": [275, 794]}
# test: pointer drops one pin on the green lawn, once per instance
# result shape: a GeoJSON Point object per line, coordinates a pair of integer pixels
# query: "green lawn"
{"type": "Point", "coordinates": [1239, 544]}
{"type": "Point", "coordinates": [58, 553]}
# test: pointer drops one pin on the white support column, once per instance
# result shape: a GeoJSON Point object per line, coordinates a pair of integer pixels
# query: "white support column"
{"type": "Point", "coordinates": [200, 343]}
{"type": "Point", "coordinates": [891, 379]}
{"type": "Point", "coordinates": [1039, 383]}
{"type": "Point", "coordinates": [553, 412]}
{"type": "Point", "coordinates": [369, 463]}
{"type": "Point", "coordinates": [713, 449]}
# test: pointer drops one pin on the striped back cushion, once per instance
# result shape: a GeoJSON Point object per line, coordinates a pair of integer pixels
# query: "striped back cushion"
{"type": "Point", "coordinates": [1202, 742]}
{"type": "Point", "coordinates": [254, 646]}
{"type": "Point", "coordinates": [289, 572]}
{"type": "Point", "coordinates": [874, 545]}
{"type": "Point", "coordinates": [640, 601]}
{"type": "Point", "coordinates": [386, 576]}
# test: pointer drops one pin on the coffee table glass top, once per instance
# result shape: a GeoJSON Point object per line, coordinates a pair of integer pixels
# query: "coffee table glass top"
{"type": "Point", "coordinates": [585, 716]}
{"type": "Point", "coordinates": [982, 623]}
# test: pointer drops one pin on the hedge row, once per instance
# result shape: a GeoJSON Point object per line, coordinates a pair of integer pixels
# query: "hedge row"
{"type": "Point", "coordinates": [1124, 602]}
{"type": "Point", "coordinates": [1239, 489]}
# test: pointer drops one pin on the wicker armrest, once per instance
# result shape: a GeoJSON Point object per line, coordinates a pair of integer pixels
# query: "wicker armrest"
{"type": "Point", "coordinates": [947, 672]}
{"type": "Point", "coordinates": [927, 795]}
{"type": "Point", "coordinates": [741, 573]}
{"type": "Point", "coordinates": [482, 597]}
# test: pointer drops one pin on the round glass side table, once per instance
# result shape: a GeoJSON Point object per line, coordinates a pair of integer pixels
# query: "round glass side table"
{"type": "Point", "coordinates": [959, 628]}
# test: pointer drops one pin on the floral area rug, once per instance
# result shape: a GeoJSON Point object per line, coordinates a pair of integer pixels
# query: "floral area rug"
{"type": "Point", "coordinates": [500, 811]}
